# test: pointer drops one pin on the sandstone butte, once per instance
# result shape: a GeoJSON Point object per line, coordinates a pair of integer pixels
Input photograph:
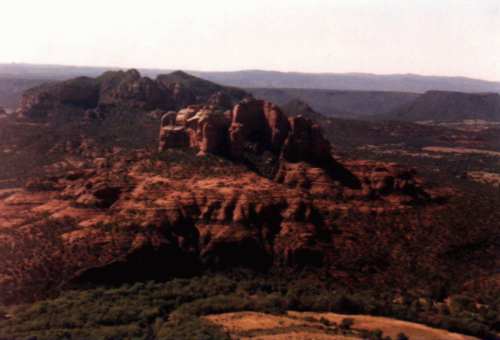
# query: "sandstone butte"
{"type": "Point", "coordinates": [231, 185]}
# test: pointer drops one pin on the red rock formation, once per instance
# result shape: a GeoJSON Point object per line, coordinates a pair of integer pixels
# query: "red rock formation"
{"type": "Point", "coordinates": [45, 100]}
{"type": "Point", "coordinates": [123, 215]}
{"type": "Point", "coordinates": [257, 125]}
{"type": "Point", "coordinates": [258, 134]}
{"type": "Point", "coordinates": [306, 143]}
{"type": "Point", "coordinates": [210, 131]}
{"type": "Point", "coordinates": [202, 128]}
{"type": "Point", "coordinates": [110, 214]}
{"type": "Point", "coordinates": [131, 90]}
{"type": "Point", "coordinates": [174, 137]}
{"type": "Point", "coordinates": [125, 90]}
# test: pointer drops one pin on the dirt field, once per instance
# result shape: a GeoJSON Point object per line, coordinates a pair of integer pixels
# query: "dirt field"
{"type": "Point", "coordinates": [461, 151]}
{"type": "Point", "coordinates": [321, 326]}
{"type": "Point", "coordinates": [391, 327]}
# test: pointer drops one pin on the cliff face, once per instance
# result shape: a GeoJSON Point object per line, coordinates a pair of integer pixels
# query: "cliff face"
{"type": "Point", "coordinates": [123, 90]}
{"type": "Point", "coordinates": [256, 133]}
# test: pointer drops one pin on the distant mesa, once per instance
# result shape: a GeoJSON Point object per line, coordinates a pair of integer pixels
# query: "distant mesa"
{"type": "Point", "coordinates": [335, 103]}
{"type": "Point", "coordinates": [450, 106]}
{"type": "Point", "coordinates": [123, 90]}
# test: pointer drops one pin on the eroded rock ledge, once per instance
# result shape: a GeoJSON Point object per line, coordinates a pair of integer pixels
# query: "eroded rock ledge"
{"type": "Point", "coordinates": [254, 132]}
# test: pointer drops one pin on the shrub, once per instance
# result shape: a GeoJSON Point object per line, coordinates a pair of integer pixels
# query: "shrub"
{"type": "Point", "coordinates": [345, 304]}
{"type": "Point", "coordinates": [326, 322]}
{"type": "Point", "coordinates": [346, 323]}
{"type": "Point", "coordinates": [134, 310]}
{"type": "Point", "coordinates": [376, 334]}
{"type": "Point", "coordinates": [191, 328]}
{"type": "Point", "coordinates": [212, 305]}
{"type": "Point", "coordinates": [402, 336]}
{"type": "Point", "coordinates": [272, 303]}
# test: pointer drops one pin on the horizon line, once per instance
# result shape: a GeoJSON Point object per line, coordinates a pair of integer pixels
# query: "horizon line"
{"type": "Point", "coordinates": [249, 70]}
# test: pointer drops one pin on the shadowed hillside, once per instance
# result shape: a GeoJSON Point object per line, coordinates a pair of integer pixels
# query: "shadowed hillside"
{"type": "Point", "coordinates": [347, 104]}
{"type": "Point", "coordinates": [450, 106]}
{"type": "Point", "coordinates": [343, 103]}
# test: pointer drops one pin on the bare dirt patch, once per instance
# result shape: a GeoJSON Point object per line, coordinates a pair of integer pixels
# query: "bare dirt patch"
{"type": "Point", "coordinates": [468, 125]}
{"type": "Point", "coordinates": [309, 325]}
{"type": "Point", "coordinates": [484, 177]}
{"type": "Point", "coordinates": [390, 327]}
{"type": "Point", "coordinates": [458, 150]}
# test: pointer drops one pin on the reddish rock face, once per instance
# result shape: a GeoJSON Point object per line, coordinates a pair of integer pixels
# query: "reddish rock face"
{"type": "Point", "coordinates": [306, 143]}
{"type": "Point", "coordinates": [257, 126]}
{"type": "Point", "coordinates": [257, 134]}
{"type": "Point", "coordinates": [210, 132]}
{"type": "Point", "coordinates": [174, 137]}
{"type": "Point", "coordinates": [383, 180]}
{"type": "Point", "coordinates": [201, 128]}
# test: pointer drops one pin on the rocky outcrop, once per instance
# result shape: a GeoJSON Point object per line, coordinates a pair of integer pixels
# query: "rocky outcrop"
{"type": "Point", "coordinates": [270, 194]}
{"type": "Point", "coordinates": [381, 180]}
{"type": "Point", "coordinates": [46, 100]}
{"type": "Point", "coordinates": [124, 90]}
{"type": "Point", "coordinates": [123, 216]}
{"type": "Point", "coordinates": [256, 133]}
{"type": "Point", "coordinates": [129, 89]}
{"type": "Point", "coordinates": [257, 126]}
{"type": "Point", "coordinates": [202, 128]}
{"type": "Point", "coordinates": [187, 90]}
{"type": "Point", "coordinates": [173, 137]}
{"type": "Point", "coordinates": [306, 143]}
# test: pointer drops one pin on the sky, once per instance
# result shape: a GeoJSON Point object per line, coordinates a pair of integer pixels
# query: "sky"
{"type": "Point", "coordinates": [429, 37]}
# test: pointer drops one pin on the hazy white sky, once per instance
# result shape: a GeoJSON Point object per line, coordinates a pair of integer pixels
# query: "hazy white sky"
{"type": "Point", "coordinates": [441, 37]}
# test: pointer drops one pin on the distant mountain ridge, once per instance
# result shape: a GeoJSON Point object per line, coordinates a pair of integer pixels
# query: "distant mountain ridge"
{"type": "Point", "coordinates": [275, 79]}
{"type": "Point", "coordinates": [353, 81]}
{"type": "Point", "coordinates": [449, 106]}
{"type": "Point", "coordinates": [439, 105]}
{"type": "Point", "coordinates": [339, 103]}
